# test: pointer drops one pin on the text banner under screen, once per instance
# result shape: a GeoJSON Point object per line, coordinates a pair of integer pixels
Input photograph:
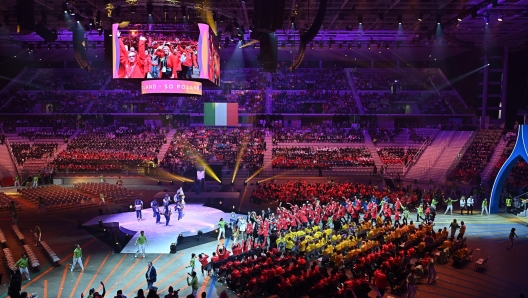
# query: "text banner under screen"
{"type": "Point", "coordinates": [171, 86]}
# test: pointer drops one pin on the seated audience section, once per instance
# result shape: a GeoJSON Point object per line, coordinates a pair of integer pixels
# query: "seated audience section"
{"type": "Point", "coordinates": [476, 157]}
{"type": "Point", "coordinates": [320, 157]}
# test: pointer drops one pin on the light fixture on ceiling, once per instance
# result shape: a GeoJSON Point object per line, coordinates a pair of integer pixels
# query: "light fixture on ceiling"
{"type": "Point", "coordinates": [420, 17]}
{"type": "Point", "coordinates": [499, 18]}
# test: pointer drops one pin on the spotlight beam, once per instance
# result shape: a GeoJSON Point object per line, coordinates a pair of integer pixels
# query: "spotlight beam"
{"type": "Point", "coordinates": [465, 75]}
{"type": "Point", "coordinates": [252, 42]}
{"type": "Point", "coordinates": [255, 174]}
{"type": "Point", "coordinates": [201, 162]}
{"type": "Point", "coordinates": [239, 157]}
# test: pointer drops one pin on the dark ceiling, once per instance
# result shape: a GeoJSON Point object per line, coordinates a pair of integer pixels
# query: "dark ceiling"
{"type": "Point", "coordinates": [465, 24]}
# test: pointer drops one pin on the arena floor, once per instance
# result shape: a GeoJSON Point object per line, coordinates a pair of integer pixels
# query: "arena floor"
{"type": "Point", "coordinates": [486, 235]}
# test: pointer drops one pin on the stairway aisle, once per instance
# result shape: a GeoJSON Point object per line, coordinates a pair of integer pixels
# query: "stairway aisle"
{"type": "Point", "coordinates": [7, 168]}
{"type": "Point", "coordinates": [166, 146]}
{"type": "Point", "coordinates": [268, 172]}
{"type": "Point", "coordinates": [372, 149]}
{"type": "Point", "coordinates": [497, 152]}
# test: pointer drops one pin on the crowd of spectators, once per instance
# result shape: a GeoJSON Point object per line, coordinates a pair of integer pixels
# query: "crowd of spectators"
{"type": "Point", "coordinates": [516, 180]}
{"type": "Point", "coordinates": [320, 157]}
{"type": "Point", "coordinates": [310, 78]}
{"type": "Point", "coordinates": [396, 155]}
{"type": "Point", "coordinates": [248, 101]}
{"type": "Point", "coordinates": [49, 102]}
{"type": "Point", "coordinates": [112, 148]}
{"type": "Point", "coordinates": [476, 157]}
{"type": "Point", "coordinates": [61, 133]}
{"type": "Point", "coordinates": [215, 145]}
{"type": "Point", "coordinates": [432, 103]}
{"type": "Point", "coordinates": [318, 133]}
{"type": "Point", "coordinates": [122, 85]}
{"type": "Point", "coordinates": [25, 151]}
{"type": "Point", "coordinates": [381, 134]}
{"type": "Point", "coordinates": [314, 102]}
{"type": "Point", "coordinates": [56, 123]}
{"type": "Point", "coordinates": [403, 78]}
{"type": "Point", "coordinates": [245, 79]}
{"type": "Point", "coordinates": [382, 103]}
{"type": "Point", "coordinates": [53, 79]}
{"type": "Point", "coordinates": [124, 102]}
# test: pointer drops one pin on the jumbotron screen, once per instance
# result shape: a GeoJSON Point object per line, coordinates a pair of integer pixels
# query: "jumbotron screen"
{"type": "Point", "coordinates": [165, 51]}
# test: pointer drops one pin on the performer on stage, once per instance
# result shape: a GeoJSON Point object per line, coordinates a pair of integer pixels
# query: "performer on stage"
{"type": "Point", "coordinates": [141, 241]}
{"type": "Point", "coordinates": [167, 214]}
{"type": "Point", "coordinates": [138, 204]}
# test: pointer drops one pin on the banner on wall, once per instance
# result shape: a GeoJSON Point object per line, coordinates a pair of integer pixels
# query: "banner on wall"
{"type": "Point", "coordinates": [171, 86]}
{"type": "Point", "coordinates": [220, 114]}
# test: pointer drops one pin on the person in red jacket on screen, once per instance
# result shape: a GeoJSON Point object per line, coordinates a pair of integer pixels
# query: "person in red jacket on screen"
{"type": "Point", "coordinates": [147, 67]}
{"type": "Point", "coordinates": [131, 64]}
{"type": "Point", "coordinates": [167, 61]}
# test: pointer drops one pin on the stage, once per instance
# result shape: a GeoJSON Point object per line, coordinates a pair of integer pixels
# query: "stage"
{"type": "Point", "coordinates": [159, 236]}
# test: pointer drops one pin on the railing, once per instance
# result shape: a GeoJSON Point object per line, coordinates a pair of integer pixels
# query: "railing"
{"type": "Point", "coordinates": [437, 154]}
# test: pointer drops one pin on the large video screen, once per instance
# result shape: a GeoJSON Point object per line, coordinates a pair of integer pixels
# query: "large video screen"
{"type": "Point", "coordinates": [165, 51]}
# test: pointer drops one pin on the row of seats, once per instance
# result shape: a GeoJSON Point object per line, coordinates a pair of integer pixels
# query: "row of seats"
{"type": "Point", "coordinates": [3, 239]}
{"type": "Point", "coordinates": [19, 234]}
{"type": "Point", "coordinates": [6, 200]}
{"type": "Point", "coordinates": [8, 258]}
{"type": "Point", "coordinates": [111, 192]}
{"type": "Point", "coordinates": [33, 260]}
{"type": "Point", "coordinates": [50, 253]}
{"type": "Point", "coordinates": [55, 196]}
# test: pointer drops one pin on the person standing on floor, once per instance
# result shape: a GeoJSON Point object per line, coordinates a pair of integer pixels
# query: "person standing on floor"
{"type": "Point", "coordinates": [462, 230]}
{"type": "Point", "coordinates": [470, 202]}
{"type": "Point", "coordinates": [17, 181]}
{"type": "Point", "coordinates": [192, 262]}
{"type": "Point", "coordinates": [138, 204]}
{"type": "Point", "coordinates": [462, 205]}
{"type": "Point", "coordinates": [167, 214]}
{"type": "Point", "coordinates": [411, 284]}
{"type": "Point", "coordinates": [221, 228]}
{"type": "Point", "coordinates": [512, 235]}
{"type": "Point", "coordinates": [454, 226]}
{"type": "Point", "coordinates": [449, 208]}
{"type": "Point", "coordinates": [101, 178]}
{"type": "Point", "coordinates": [508, 203]}
{"type": "Point", "coordinates": [419, 213]}
{"type": "Point", "coordinates": [101, 199]}
{"type": "Point", "coordinates": [41, 205]}
{"type": "Point", "coordinates": [202, 258]}
{"type": "Point", "coordinates": [151, 276]}
{"type": "Point", "coordinates": [38, 235]}
{"type": "Point", "coordinates": [77, 257]}
{"type": "Point", "coordinates": [431, 267]}
{"type": "Point", "coordinates": [179, 209]}
{"type": "Point", "coordinates": [22, 265]}
{"type": "Point", "coordinates": [157, 214]}
{"type": "Point", "coordinates": [154, 205]}
{"type": "Point", "coordinates": [141, 241]}
{"type": "Point", "coordinates": [193, 283]}
{"type": "Point", "coordinates": [484, 207]}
